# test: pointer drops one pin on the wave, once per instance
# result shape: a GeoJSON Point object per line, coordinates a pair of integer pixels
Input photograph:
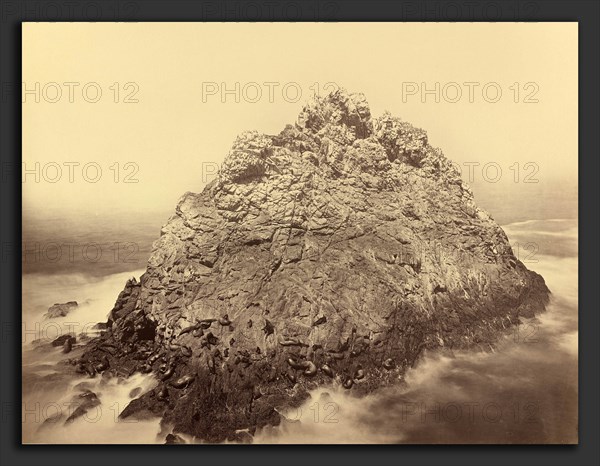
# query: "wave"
{"type": "Point", "coordinates": [96, 296]}
{"type": "Point", "coordinates": [50, 416]}
{"type": "Point", "coordinates": [535, 221]}
{"type": "Point", "coordinates": [50, 393]}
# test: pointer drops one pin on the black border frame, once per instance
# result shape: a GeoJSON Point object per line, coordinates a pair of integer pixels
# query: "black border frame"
{"type": "Point", "coordinates": [585, 12]}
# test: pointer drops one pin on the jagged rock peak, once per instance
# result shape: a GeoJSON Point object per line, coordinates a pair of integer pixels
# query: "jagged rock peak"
{"type": "Point", "coordinates": [338, 108]}
{"type": "Point", "coordinates": [337, 134]}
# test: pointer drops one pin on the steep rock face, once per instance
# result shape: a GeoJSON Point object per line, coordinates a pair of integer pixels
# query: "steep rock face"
{"type": "Point", "coordinates": [334, 252]}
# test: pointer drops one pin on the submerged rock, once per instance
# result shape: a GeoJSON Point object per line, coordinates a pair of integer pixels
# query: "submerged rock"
{"type": "Point", "coordinates": [83, 403]}
{"type": "Point", "coordinates": [349, 241]}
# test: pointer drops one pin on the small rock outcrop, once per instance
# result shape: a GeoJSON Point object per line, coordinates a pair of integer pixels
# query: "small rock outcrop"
{"type": "Point", "coordinates": [334, 252]}
{"type": "Point", "coordinates": [60, 310]}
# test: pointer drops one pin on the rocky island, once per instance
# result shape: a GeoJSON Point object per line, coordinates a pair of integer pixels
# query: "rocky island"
{"type": "Point", "coordinates": [335, 252]}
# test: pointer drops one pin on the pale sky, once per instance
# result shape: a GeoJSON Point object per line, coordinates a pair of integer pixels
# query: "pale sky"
{"type": "Point", "coordinates": [180, 124]}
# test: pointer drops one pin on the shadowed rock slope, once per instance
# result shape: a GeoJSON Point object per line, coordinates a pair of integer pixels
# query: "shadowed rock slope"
{"type": "Point", "coordinates": [334, 252]}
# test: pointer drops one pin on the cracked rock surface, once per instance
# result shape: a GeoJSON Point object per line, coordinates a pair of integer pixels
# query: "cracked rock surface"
{"type": "Point", "coordinates": [334, 252]}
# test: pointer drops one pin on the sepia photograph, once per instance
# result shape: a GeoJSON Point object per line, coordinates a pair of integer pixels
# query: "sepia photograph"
{"type": "Point", "coordinates": [299, 233]}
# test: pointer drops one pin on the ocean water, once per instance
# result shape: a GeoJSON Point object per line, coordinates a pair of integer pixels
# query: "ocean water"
{"type": "Point", "coordinates": [87, 260]}
{"type": "Point", "coordinates": [523, 392]}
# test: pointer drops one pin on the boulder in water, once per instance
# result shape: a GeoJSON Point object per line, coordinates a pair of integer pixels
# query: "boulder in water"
{"type": "Point", "coordinates": [60, 310]}
{"type": "Point", "coordinates": [61, 340]}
